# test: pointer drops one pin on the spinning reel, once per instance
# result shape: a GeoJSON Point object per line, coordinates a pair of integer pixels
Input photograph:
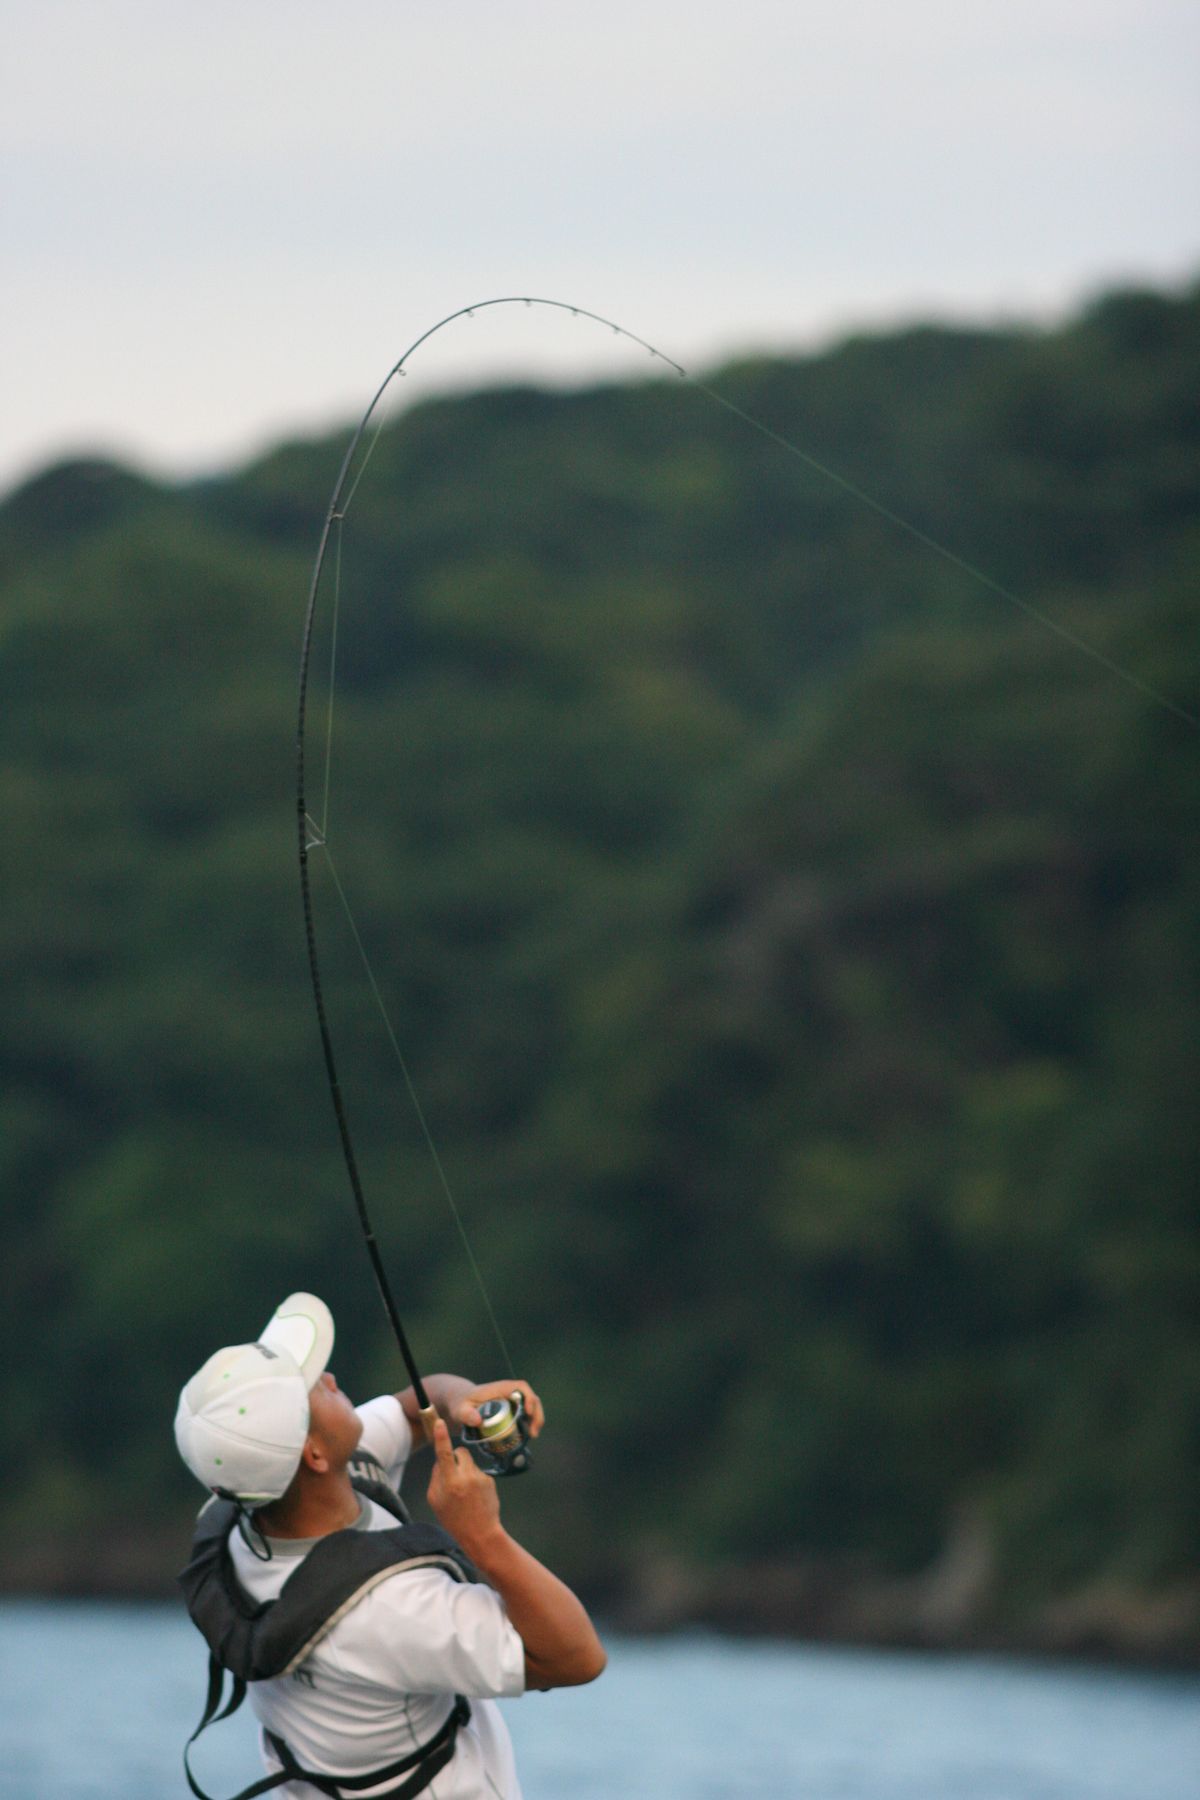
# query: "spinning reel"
{"type": "Point", "coordinates": [500, 1442]}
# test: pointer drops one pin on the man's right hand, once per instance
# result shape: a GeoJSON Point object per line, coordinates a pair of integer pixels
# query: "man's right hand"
{"type": "Point", "coordinates": [463, 1498]}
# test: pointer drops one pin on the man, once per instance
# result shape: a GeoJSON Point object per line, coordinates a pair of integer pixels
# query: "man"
{"type": "Point", "coordinates": [376, 1658]}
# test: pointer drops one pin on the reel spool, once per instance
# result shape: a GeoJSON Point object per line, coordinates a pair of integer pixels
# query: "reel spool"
{"type": "Point", "coordinates": [500, 1444]}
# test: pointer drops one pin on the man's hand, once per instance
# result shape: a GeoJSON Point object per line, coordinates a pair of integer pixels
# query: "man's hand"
{"type": "Point", "coordinates": [464, 1499]}
{"type": "Point", "coordinates": [465, 1410]}
{"type": "Point", "coordinates": [458, 1400]}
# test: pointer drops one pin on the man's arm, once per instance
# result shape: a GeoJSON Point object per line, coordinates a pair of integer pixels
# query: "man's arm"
{"type": "Point", "coordinates": [561, 1645]}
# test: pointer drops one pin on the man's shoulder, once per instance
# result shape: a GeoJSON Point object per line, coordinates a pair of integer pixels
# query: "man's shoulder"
{"type": "Point", "coordinates": [387, 1434]}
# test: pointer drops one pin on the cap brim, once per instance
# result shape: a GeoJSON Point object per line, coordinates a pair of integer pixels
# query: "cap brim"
{"type": "Point", "coordinates": [302, 1326]}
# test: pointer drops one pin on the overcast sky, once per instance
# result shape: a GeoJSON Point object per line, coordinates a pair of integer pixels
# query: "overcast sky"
{"type": "Point", "coordinates": [224, 222]}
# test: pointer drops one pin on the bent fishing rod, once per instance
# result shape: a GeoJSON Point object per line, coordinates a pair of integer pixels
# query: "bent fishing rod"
{"type": "Point", "coordinates": [500, 1443]}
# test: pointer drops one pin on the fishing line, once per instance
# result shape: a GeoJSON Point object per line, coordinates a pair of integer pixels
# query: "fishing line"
{"type": "Point", "coordinates": [314, 836]}
{"type": "Point", "coordinates": [958, 562]}
{"type": "Point", "coordinates": [1118, 670]}
{"type": "Point", "coordinates": [419, 1110]}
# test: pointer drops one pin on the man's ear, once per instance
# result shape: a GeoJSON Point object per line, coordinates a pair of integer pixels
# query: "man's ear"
{"type": "Point", "coordinates": [313, 1455]}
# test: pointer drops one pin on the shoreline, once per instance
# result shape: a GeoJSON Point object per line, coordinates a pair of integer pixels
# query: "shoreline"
{"type": "Point", "coordinates": [796, 1600]}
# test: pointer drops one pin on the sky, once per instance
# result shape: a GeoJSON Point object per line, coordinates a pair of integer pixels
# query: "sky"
{"type": "Point", "coordinates": [222, 224]}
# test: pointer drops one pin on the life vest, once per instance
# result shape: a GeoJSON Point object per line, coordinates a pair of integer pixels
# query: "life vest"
{"type": "Point", "coordinates": [254, 1641]}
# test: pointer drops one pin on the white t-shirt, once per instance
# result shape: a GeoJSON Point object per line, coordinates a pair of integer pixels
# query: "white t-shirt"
{"type": "Point", "coordinates": [382, 1682]}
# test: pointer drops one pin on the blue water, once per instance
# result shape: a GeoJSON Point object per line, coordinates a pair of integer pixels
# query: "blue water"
{"type": "Point", "coordinates": [96, 1701]}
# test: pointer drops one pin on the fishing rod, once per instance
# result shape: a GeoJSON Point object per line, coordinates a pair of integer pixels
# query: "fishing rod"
{"type": "Point", "coordinates": [500, 1443]}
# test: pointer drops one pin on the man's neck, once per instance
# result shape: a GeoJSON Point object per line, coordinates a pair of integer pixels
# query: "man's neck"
{"type": "Point", "coordinates": [312, 1508]}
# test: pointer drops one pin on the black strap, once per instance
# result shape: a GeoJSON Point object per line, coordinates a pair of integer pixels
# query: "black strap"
{"type": "Point", "coordinates": [213, 1710]}
{"type": "Point", "coordinates": [425, 1762]}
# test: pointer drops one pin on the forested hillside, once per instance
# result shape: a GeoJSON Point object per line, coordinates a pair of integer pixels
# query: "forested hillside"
{"type": "Point", "coordinates": [795, 945]}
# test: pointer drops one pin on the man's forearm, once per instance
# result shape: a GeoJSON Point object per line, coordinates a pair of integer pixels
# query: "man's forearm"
{"type": "Point", "coordinates": [561, 1645]}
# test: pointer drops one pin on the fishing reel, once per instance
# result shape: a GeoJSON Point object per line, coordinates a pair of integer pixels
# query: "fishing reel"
{"type": "Point", "coordinates": [500, 1442]}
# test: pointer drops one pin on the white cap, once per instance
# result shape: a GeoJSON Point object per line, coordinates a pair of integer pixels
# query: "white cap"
{"type": "Point", "coordinates": [243, 1418]}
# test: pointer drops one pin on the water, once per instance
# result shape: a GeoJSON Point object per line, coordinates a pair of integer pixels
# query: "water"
{"type": "Point", "coordinates": [96, 1701]}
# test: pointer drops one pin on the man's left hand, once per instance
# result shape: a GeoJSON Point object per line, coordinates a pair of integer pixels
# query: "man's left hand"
{"type": "Point", "coordinates": [465, 1410]}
